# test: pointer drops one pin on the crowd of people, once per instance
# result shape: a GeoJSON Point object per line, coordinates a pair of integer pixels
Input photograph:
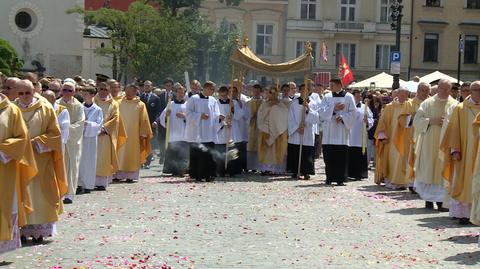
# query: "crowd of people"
{"type": "Point", "coordinates": [64, 137]}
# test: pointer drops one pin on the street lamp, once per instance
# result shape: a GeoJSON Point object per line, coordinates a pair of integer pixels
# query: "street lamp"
{"type": "Point", "coordinates": [396, 25]}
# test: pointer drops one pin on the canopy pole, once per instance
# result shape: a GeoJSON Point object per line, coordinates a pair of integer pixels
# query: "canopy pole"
{"type": "Point", "coordinates": [228, 119]}
{"type": "Point", "coordinates": [304, 96]}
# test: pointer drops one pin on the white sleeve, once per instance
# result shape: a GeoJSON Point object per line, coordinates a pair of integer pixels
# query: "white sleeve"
{"type": "Point", "coordinates": [93, 125]}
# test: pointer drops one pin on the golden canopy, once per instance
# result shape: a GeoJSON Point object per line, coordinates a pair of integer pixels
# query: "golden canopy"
{"type": "Point", "coordinates": [243, 57]}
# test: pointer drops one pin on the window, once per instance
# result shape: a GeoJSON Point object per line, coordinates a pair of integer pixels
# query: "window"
{"type": "Point", "coordinates": [473, 4]}
{"type": "Point", "coordinates": [348, 50]}
{"type": "Point", "coordinates": [264, 39]}
{"type": "Point", "coordinates": [385, 11]}
{"type": "Point", "coordinates": [433, 3]}
{"type": "Point", "coordinates": [307, 9]}
{"type": "Point", "coordinates": [382, 56]}
{"type": "Point", "coordinates": [301, 50]}
{"type": "Point", "coordinates": [347, 10]}
{"type": "Point", "coordinates": [430, 48]}
{"type": "Point", "coordinates": [23, 20]}
{"type": "Point", "coordinates": [471, 49]}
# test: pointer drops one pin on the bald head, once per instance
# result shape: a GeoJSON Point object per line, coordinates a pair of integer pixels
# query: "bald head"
{"type": "Point", "coordinates": [25, 91]}
{"type": "Point", "coordinates": [10, 88]}
{"type": "Point", "coordinates": [55, 87]}
{"type": "Point", "coordinates": [423, 91]}
{"type": "Point", "coordinates": [50, 96]}
{"type": "Point", "coordinates": [475, 91]}
{"type": "Point", "coordinates": [402, 94]}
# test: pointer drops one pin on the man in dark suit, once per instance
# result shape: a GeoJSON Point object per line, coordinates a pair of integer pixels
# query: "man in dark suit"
{"type": "Point", "coordinates": [153, 104]}
{"type": "Point", "coordinates": [168, 84]}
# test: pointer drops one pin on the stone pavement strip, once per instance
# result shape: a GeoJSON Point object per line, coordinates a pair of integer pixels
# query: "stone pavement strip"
{"type": "Point", "coordinates": [251, 222]}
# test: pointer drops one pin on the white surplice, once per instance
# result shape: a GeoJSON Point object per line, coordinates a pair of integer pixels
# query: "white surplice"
{"type": "Point", "coordinates": [336, 133]}
{"type": "Point", "coordinates": [176, 130]}
{"type": "Point", "coordinates": [236, 131]}
{"type": "Point", "coordinates": [88, 160]}
{"type": "Point", "coordinates": [199, 130]}
{"type": "Point", "coordinates": [356, 133]}
{"type": "Point", "coordinates": [310, 120]}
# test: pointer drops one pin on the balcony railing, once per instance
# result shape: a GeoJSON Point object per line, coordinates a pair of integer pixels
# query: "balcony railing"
{"type": "Point", "coordinates": [349, 25]}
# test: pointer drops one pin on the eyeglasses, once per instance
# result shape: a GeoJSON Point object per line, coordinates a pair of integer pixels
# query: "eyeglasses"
{"type": "Point", "coordinates": [24, 93]}
{"type": "Point", "coordinates": [67, 90]}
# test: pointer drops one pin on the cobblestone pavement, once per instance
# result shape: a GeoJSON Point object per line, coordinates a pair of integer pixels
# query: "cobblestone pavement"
{"type": "Point", "coordinates": [251, 222]}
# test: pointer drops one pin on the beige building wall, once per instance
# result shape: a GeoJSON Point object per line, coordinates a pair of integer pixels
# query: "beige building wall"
{"type": "Point", "coordinates": [247, 16]}
{"type": "Point", "coordinates": [366, 31]}
{"type": "Point", "coordinates": [448, 21]}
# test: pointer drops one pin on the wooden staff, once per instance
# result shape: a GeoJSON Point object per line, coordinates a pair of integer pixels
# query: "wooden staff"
{"type": "Point", "coordinates": [302, 123]}
{"type": "Point", "coordinates": [229, 117]}
{"type": "Point", "coordinates": [364, 133]}
{"type": "Point", "coordinates": [308, 52]}
{"type": "Point", "coordinates": [167, 120]}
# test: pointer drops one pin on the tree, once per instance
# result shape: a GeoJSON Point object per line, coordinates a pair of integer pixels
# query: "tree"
{"type": "Point", "coordinates": [174, 5]}
{"type": "Point", "coordinates": [145, 42]}
{"type": "Point", "coordinates": [10, 64]}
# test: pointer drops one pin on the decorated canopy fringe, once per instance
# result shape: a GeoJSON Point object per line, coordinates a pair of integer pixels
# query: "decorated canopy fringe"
{"type": "Point", "coordinates": [243, 57]}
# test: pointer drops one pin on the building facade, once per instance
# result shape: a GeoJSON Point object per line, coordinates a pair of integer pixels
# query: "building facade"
{"type": "Point", "coordinates": [437, 26]}
{"type": "Point", "coordinates": [358, 29]}
{"type": "Point", "coordinates": [45, 37]}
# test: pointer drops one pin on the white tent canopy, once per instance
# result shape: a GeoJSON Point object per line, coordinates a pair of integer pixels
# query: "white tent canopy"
{"type": "Point", "coordinates": [382, 80]}
{"type": "Point", "coordinates": [436, 76]}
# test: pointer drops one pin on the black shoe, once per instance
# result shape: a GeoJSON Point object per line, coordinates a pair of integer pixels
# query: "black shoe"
{"type": "Point", "coordinates": [129, 180]}
{"type": "Point", "coordinates": [428, 205]}
{"type": "Point", "coordinates": [294, 176]}
{"type": "Point", "coordinates": [80, 190]}
{"type": "Point", "coordinates": [464, 221]}
{"type": "Point", "coordinates": [210, 179]}
{"type": "Point", "coordinates": [328, 183]}
{"type": "Point", "coordinates": [440, 207]}
{"type": "Point", "coordinates": [23, 239]}
{"type": "Point", "coordinates": [67, 201]}
{"type": "Point", "coordinates": [86, 191]}
{"type": "Point", "coordinates": [306, 177]}
{"type": "Point", "coordinates": [412, 190]}
{"type": "Point", "coordinates": [100, 188]}
{"type": "Point", "coordinates": [340, 184]}
{"type": "Point", "coordinates": [402, 189]}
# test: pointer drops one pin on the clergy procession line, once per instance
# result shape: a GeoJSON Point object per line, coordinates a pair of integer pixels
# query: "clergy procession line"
{"type": "Point", "coordinates": [61, 138]}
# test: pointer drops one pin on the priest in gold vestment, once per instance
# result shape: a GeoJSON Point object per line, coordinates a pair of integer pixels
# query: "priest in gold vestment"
{"type": "Point", "coordinates": [49, 185]}
{"type": "Point", "coordinates": [111, 138]}
{"type": "Point", "coordinates": [139, 133]}
{"type": "Point", "coordinates": [390, 164]}
{"type": "Point", "coordinates": [273, 128]}
{"type": "Point", "coordinates": [17, 169]}
{"type": "Point", "coordinates": [73, 148]}
{"type": "Point", "coordinates": [253, 133]}
{"type": "Point", "coordinates": [406, 136]}
{"type": "Point", "coordinates": [475, 214]}
{"type": "Point", "coordinates": [430, 123]}
{"type": "Point", "coordinates": [458, 145]}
